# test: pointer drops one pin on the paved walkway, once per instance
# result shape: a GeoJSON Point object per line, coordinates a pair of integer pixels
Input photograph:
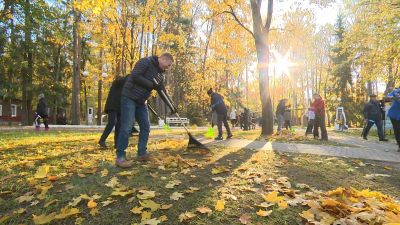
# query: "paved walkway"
{"type": "Point", "coordinates": [370, 150]}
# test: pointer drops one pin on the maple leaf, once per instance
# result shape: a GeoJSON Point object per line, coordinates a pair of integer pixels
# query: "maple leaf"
{"type": "Point", "coordinates": [106, 203]}
{"type": "Point", "coordinates": [79, 221]}
{"type": "Point", "coordinates": [122, 193]}
{"type": "Point", "coordinates": [264, 213]}
{"type": "Point", "coordinates": [163, 218]}
{"type": "Point", "coordinates": [150, 205]}
{"type": "Point", "coordinates": [75, 201]}
{"type": "Point", "coordinates": [49, 203]}
{"type": "Point", "coordinates": [43, 219]}
{"type": "Point", "coordinates": [273, 197]}
{"type": "Point", "coordinates": [186, 216]}
{"type": "Point", "coordinates": [265, 204]}
{"type": "Point", "coordinates": [69, 186]}
{"type": "Point", "coordinates": [176, 195]}
{"type": "Point", "coordinates": [204, 209]}
{"type": "Point", "coordinates": [245, 219]}
{"type": "Point", "coordinates": [42, 172]}
{"type": "Point", "coordinates": [164, 207]}
{"type": "Point", "coordinates": [218, 179]}
{"type": "Point", "coordinates": [96, 197]}
{"type": "Point", "coordinates": [146, 215]}
{"type": "Point", "coordinates": [153, 221]}
{"type": "Point", "coordinates": [67, 212]}
{"type": "Point", "coordinates": [21, 210]}
{"type": "Point", "coordinates": [137, 210]}
{"type": "Point", "coordinates": [34, 202]}
{"type": "Point", "coordinates": [94, 211]}
{"type": "Point", "coordinates": [104, 173]}
{"type": "Point", "coordinates": [307, 215]}
{"type": "Point", "coordinates": [146, 194]}
{"type": "Point", "coordinates": [113, 182]}
{"type": "Point", "coordinates": [220, 205]}
{"type": "Point", "coordinates": [91, 204]}
{"type": "Point", "coordinates": [283, 205]}
{"type": "Point", "coordinates": [219, 169]}
{"type": "Point", "coordinates": [25, 198]}
{"type": "Point", "coordinates": [81, 175]}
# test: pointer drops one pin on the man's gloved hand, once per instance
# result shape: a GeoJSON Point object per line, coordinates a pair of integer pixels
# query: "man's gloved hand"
{"type": "Point", "coordinates": [158, 87]}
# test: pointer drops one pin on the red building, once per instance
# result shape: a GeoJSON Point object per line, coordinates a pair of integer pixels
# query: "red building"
{"type": "Point", "coordinates": [16, 113]}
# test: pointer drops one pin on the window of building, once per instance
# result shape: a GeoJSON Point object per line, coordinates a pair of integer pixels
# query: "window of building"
{"type": "Point", "coordinates": [13, 110]}
{"type": "Point", "coordinates": [1, 110]}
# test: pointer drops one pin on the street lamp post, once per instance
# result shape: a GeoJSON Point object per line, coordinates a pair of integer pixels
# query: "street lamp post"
{"type": "Point", "coordinates": [86, 74]}
{"type": "Point", "coordinates": [103, 76]}
{"type": "Point", "coordinates": [95, 79]}
{"type": "Point", "coordinates": [94, 98]}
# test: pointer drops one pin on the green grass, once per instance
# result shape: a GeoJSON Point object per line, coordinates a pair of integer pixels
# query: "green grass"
{"type": "Point", "coordinates": [71, 153]}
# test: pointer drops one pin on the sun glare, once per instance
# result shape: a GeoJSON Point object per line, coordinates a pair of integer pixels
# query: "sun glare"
{"type": "Point", "coordinates": [281, 64]}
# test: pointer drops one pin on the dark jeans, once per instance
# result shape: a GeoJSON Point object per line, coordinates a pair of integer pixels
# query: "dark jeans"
{"type": "Point", "coordinates": [114, 120]}
{"type": "Point", "coordinates": [379, 125]}
{"type": "Point", "coordinates": [287, 124]}
{"type": "Point", "coordinates": [222, 119]}
{"type": "Point", "coordinates": [131, 111]}
{"type": "Point", "coordinates": [396, 128]}
{"type": "Point", "coordinates": [233, 121]}
{"type": "Point", "coordinates": [310, 126]}
{"type": "Point", "coordinates": [37, 120]}
{"type": "Point", "coordinates": [320, 122]}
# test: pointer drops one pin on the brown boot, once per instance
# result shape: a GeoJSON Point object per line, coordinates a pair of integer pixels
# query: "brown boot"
{"type": "Point", "coordinates": [146, 157]}
{"type": "Point", "coordinates": [123, 163]}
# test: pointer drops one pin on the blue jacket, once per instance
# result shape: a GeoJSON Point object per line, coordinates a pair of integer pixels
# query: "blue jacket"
{"type": "Point", "coordinates": [394, 111]}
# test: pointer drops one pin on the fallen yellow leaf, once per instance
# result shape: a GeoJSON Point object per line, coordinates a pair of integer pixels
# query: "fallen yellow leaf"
{"type": "Point", "coordinates": [92, 204]}
{"type": "Point", "coordinates": [94, 211]}
{"type": "Point", "coordinates": [220, 205]}
{"type": "Point", "coordinates": [264, 213]}
{"type": "Point", "coordinates": [204, 209]}
{"type": "Point", "coordinates": [273, 197]}
{"type": "Point", "coordinates": [43, 219]}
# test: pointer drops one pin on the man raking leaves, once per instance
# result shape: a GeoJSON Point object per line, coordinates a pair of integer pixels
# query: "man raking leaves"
{"type": "Point", "coordinates": [136, 91]}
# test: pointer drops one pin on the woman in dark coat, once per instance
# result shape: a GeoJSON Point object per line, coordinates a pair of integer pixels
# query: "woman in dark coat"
{"type": "Point", "coordinates": [113, 109]}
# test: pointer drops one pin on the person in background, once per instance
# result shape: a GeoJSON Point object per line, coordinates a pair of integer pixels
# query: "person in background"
{"type": "Point", "coordinates": [241, 119]}
{"type": "Point", "coordinates": [310, 117]}
{"type": "Point", "coordinates": [113, 109]}
{"type": "Point", "coordinates": [373, 115]}
{"type": "Point", "coordinates": [394, 115]}
{"type": "Point", "coordinates": [41, 113]}
{"type": "Point", "coordinates": [218, 105]}
{"type": "Point", "coordinates": [280, 110]}
{"type": "Point", "coordinates": [287, 118]}
{"type": "Point", "coordinates": [233, 118]}
{"type": "Point", "coordinates": [318, 106]}
{"type": "Point", "coordinates": [245, 119]}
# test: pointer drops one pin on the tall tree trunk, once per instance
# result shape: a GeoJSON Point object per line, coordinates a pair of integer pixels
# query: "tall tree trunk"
{"type": "Point", "coordinates": [27, 72]}
{"type": "Point", "coordinates": [76, 85]}
{"type": "Point", "coordinates": [261, 34]}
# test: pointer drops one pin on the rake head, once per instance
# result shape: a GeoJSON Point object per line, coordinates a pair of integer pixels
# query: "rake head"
{"type": "Point", "coordinates": [193, 143]}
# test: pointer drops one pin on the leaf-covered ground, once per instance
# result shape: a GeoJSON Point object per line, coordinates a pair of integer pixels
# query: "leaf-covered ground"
{"type": "Point", "coordinates": [63, 178]}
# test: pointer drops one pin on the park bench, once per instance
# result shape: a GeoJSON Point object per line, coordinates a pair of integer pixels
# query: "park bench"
{"type": "Point", "coordinates": [176, 120]}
